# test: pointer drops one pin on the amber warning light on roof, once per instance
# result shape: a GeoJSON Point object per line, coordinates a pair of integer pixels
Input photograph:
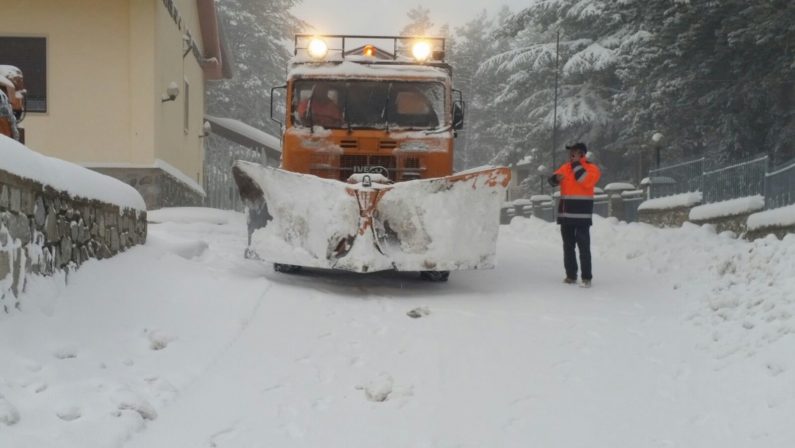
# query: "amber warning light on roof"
{"type": "Point", "coordinates": [369, 51]}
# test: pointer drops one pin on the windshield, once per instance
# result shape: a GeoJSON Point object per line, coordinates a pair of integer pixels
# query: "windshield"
{"type": "Point", "coordinates": [369, 104]}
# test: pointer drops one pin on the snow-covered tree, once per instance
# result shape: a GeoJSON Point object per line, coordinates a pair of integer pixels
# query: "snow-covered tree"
{"type": "Point", "coordinates": [420, 23]}
{"type": "Point", "coordinates": [715, 78]}
{"type": "Point", "coordinates": [256, 33]}
{"type": "Point", "coordinates": [585, 64]}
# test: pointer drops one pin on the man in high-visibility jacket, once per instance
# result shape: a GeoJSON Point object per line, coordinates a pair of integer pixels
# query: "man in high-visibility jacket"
{"type": "Point", "coordinates": [577, 179]}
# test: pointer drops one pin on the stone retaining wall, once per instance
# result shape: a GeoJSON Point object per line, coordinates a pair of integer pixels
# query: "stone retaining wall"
{"type": "Point", "coordinates": [43, 230]}
{"type": "Point", "coordinates": [158, 188]}
{"type": "Point", "coordinates": [779, 231]}
{"type": "Point", "coordinates": [672, 217]}
{"type": "Point", "coordinates": [735, 223]}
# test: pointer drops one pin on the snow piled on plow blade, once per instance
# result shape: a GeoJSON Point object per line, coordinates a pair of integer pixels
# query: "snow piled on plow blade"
{"type": "Point", "coordinates": [441, 224]}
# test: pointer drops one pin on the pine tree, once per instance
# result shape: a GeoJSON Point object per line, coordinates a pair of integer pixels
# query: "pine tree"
{"type": "Point", "coordinates": [256, 31]}
{"type": "Point", "coordinates": [420, 23]}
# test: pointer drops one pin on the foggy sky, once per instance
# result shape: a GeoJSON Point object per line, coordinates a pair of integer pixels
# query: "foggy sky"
{"type": "Point", "coordinates": [387, 17]}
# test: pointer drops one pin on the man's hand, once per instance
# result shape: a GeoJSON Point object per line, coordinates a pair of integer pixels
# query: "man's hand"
{"type": "Point", "coordinates": [555, 179]}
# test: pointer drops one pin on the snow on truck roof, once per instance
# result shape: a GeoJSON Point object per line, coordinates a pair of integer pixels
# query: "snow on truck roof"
{"type": "Point", "coordinates": [348, 69]}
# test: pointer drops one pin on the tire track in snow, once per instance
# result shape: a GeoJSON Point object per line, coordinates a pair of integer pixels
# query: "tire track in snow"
{"type": "Point", "coordinates": [214, 361]}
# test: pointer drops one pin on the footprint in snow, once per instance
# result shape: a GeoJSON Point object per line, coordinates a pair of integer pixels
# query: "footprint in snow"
{"type": "Point", "coordinates": [158, 340]}
{"type": "Point", "coordinates": [65, 352]}
{"type": "Point", "coordinates": [416, 313]}
{"type": "Point", "coordinates": [383, 388]}
{"type": "Point", "coordinates": [127, 400]}
{"type": "Point", "coordinates": [379, 389]}
{"type": "Point", "coordinates": [775, 369]}
{"type": "Point", "coordinates": [69, 413]}
{"type": "Point", "coordinates": [9, 415]}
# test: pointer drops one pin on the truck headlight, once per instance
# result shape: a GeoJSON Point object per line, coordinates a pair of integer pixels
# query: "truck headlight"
{"type": "Point", "coordinates": [317, 49]}
{"type": "Point", "coordinates": [421, 51]}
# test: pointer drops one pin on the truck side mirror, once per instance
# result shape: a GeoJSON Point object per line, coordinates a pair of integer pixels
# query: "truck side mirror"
{"type": "Point", "coordinates": [282, 91]}
{"type": "Point", "coordinates": [459, 107]}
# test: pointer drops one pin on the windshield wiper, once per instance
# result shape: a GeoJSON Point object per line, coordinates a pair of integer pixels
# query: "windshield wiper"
{"type": "Point", "coordinates": [439, 130]}
{"type": "Point", "coordinates": [309, 111]}
{"type": "Point", "coordinates": [385, 114]}
{"type": "Point", "coordinates": [345, 109]}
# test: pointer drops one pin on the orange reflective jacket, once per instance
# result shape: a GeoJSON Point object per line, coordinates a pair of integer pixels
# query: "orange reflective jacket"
{"type": "Point", "coordinates": [576, 192]}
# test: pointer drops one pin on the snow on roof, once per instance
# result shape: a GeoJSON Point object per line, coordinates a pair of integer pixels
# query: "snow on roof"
{"type": "Point", "coordinates": [777, 217]}
{"type": "Point", "coordinates": [657, 180]}
{"type": "Point", "coordinates": [250, 133]}
{"type": "Point", "coordinates": [618, 186]}
{"type": "Point", "coordinates": [540, 197]}
{"type": "Point", "coordinates": [161, 164]}
{"type": "Point", "coordinates": [522, 201]}
{"type": "Point", "coordinates": [355, 70]}
{"type": "Point", "coordinates": [674, 201]}
{"type": "Point", "coordinates": [732, 207]}
{"type": "Point", "coordinates": [180, 176]}
{"type": "Point", "coordinates": [73, 179]}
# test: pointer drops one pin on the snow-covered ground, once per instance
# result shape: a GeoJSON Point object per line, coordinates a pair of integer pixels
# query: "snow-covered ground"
{"type": "Point", "coordinates": [686, 340]}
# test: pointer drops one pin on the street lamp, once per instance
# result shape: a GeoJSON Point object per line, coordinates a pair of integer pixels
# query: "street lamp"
{"type": "Point", "coordinates": [657, 139]}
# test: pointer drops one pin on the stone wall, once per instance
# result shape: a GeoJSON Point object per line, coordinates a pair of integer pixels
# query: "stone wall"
{"type": "Point", "coordinates": [43, 230]}
{"type": "Point", "coordinates": [735, 223]}
{"type": "Point", "coordinates": [779, 231]}
{"type": "Point", "coordinates": [158, 188]}
{"type": "Point", "coordinates": [672, 217]}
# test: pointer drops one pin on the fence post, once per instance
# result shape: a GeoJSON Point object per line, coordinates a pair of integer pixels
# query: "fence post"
{"type": "Point", "coordinates": [764, 181]}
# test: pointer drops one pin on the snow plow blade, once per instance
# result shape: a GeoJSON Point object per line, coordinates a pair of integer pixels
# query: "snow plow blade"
{"type": "Point", "coordinates": [440, 224]}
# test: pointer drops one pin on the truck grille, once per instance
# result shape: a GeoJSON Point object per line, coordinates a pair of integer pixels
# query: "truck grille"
{"type": "Point", "coordinates": [350, 164]}
{"type": "Point", "coordinates": [412, 163]}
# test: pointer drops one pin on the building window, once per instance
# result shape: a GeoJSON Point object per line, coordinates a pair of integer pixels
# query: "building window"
{"type": "Point", "coordinates": [30, 55]}
{"type": "Point", "coordinates": [187, 106]}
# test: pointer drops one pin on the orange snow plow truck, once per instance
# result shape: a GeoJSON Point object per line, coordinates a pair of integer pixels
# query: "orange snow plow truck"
{"type": "Point", "coordinates": [366, 181]}
{"type": "Point", "coordinates": [12, 102]}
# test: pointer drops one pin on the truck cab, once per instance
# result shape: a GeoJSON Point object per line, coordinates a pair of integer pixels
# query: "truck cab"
{"type": "Point", "coordinates": [353, 107]}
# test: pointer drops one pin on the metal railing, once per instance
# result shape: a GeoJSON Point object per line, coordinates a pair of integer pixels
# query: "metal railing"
{"type": "Point", "coordinates": [780, 186]}
{"type": "Point", "coordinates": [218, 181]}
{"type": "Point", "coordinates": [735, 181]}
{"type": "Point", "coordinates": [631, 204]}
{"type": "Point", "coordinates": [750, 178]}
{"type": "Point", "coordinates": [674, 179]}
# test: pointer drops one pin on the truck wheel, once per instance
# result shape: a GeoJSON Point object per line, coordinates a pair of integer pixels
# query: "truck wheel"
{"type": "Point", "coordinates": [286, 268]}
{"type": "Point", "coordinates": [435, 276]}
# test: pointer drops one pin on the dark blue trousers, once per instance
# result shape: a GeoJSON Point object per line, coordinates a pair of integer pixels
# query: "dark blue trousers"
{"type": "Point", "coordinates": [578, 235]}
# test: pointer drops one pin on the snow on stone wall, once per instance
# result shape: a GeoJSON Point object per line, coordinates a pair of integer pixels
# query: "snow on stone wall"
{"type": "Point", "coordinates": [44, 229]}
